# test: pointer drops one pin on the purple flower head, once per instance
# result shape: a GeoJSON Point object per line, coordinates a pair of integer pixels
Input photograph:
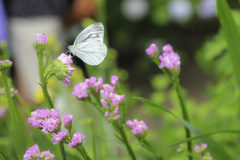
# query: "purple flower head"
{"type": "Point", "coordinates": [167, 48]}
{"type": "Point", "coordinates": [76, 140]}
{"type": "Point", "coordinates": [108, 88]}
{"type": "Point", "coordinates": [200, 149]}
{"type": "Point", "coordinates": [152, 50]}
{"type": "Point", "coordinates": [139, 128]}
{"type": "Point", "coordinates": [3, 112]}
{"type": "Point", "coordinates": [5, 64]}
{"type": "Point", "coordinates": [61, 136]}
{"type": "Point", "coordinates": [42, 42]}
{"type": "Point", "coordinates": [46, 155]}
{"type": "Point", "coordinates": [42, 39]}
{"type": "Point", "coordinates": [50, 125]}
{"type": "Point", "coordinates": [32, 152]}
{"type": "Point", "coordinates": [95, 86]}
{"type": "Point", "coordinates": [180, 148]}
{"type": "Point", "coordinates": [99, 84]}
{"type": "Point", "coordinates": [105, 95]}
{"type": "Point", "coordinates": [170, 60]}
{"type": "Point", "coordinates": [114, 81]}
{"type": "Point", "coordinates": [91, 81]}
{"type": "Point", "coordinates": [81, 90]}
{"type": "Point", "coordinates": [45, 119]}
{"type": "Point", "coordinates": [68, 120]}
{"type": "Point", "coordinates": [12, 91]}
{"type": "Point", "coordinates": [104, 103]}
{"type": "Point", "coordinates": [62, 69]}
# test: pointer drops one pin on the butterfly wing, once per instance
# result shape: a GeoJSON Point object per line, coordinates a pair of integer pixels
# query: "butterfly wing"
{"type": "Point", "coordinates": [91, 52]}
{"type": "Point", "coordinates": [89, 44]}
{"type": "Point", "coordinates": [91, 33]}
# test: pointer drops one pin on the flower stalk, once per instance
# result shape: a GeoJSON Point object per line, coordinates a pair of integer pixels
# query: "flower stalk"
{"type": "Point", "coordinates": [13, 115]}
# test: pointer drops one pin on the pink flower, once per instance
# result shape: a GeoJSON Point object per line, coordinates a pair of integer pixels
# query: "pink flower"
{"type": "Point", "coordinates": [76, 140]}
{"type": "Point", "coordinates": [167, 48]}
{"type": "Point", "coordinates": [170, 60]}
{"type": "Point", "coordinates": [32, 152]}
{"type": "Point", "coordinates": [68, 120]}
{"type": "Point", "coordinates": [152, 50]}
{"type": "Point", "coordinates": [108, 88]}
{"type": "Point", "coordinates": [45, 119]}
{"type": "Point", "coordinates": [61, 136]}
{"type": "Point", "coordinates": [66, 70]}
{"type": "Point", "coordinates": [42, 39]}
{"type": "Point", "coordinates": [199, 149]}
{"type": "Point", "coordinates": [139, 128]}
{"type": "Point", "coordinates": [114, 81]}
{"type": "Point", "coordinates": [81, 90]}
{"type": "Point", "coordinates": [5, 64]}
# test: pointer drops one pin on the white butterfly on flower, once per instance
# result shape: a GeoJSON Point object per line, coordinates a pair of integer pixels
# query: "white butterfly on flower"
{"type": "Point", "coordinates": [89, 46]}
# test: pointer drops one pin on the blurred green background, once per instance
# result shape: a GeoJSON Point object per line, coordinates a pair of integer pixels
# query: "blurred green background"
{"type": "Point", "coordinates": [212, 95]}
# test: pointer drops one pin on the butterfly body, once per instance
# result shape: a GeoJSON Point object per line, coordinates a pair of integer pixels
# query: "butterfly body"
{"type": "Point", "coordinates": [89, 45]}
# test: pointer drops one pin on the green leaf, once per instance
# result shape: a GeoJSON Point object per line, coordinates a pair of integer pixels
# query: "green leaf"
{"type": "Point", "coordinates": [1, 157]}
{"type": "Point", "coordinates": [204, 135]}
{"type": "Point", "coordinates": [215, 149]}
{"type": "Point", "coordinates": [231, 34]}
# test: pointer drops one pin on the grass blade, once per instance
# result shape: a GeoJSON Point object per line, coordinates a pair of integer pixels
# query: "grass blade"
{"type": "Point", "coordinates": [231, 34]}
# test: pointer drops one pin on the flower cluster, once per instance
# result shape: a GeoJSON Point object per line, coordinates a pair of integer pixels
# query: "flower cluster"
{"type": "Point", "coordinates": [62, 69]}
{"type": "Point", "coordinates": [60, 136]}
{"type": "Point", "coordinates": [42, 42]}
{"type": "Point", "coordinates": [110, 102]}
{"type": "Point", "coordinates": [93, 84]}
{"type": "Point", "coordinates": [139, 128]}
{"type": "Point", "coordinates": [68, 120]}
{"type": "Point", "coordinates": [180, 148]}
{"type": "Point", "coordinates": [34, 153]}
{"type": "Point", "coordinates": [152, 50]}
{"type": "Point", "coordinates": [169, 58]}
{"type": "Point", "coordinates": [200, 149]}
{"type": "Point", "coordinates": [45, 119]}
{"type": "Point", "coordinates": [5, 64]}
{"type": "Point", "coordinates": [12, 91]}
{"type": "Point", "coordinates": [76, 140]}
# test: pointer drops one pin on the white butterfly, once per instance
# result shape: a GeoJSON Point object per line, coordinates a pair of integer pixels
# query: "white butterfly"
{"type": "Point", "coordinates": [89, 45]}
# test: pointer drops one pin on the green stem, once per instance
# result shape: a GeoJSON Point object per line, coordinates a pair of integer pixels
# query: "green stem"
{"type": "Point", "coordinates": [22, 125]}
{"type": "Point", "coordinates": [94, 145]}
{"type": "Point", "coordinates": [125, 140]}
{"type": "Point", "coordinates": [61, 145]}
{"type": "Point", "coordinates": [147, 146]}
{"type": "Point", "coordinates": [184, 111]}
{"type": "Point", "coordinates": [178, 89]}
{"type": "Point", "coordinates": [18, 147]}
{"type": "Point", "coordinates": [83, 153]}
{"type": "Point", "coordinates": [43, 85]}
{"type": "Point", "coordinates": [157, 62]}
